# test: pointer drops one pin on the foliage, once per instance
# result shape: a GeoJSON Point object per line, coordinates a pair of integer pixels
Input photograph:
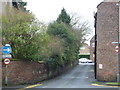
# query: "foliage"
{"type": "Point", "coordinates": [68, 40]}
{"type": "Point", "coordinates": [113, 83]}
{"type": "Point", "coordinates": [56, 44]}
{"type": "Point", "coordinates": [42, 40]}
{"type": "Point", "coordinates": [22, 31]}
{"type": "Point", "coordinates": [81, 28]}
{"type": "Point", "coordinates": [20, 5]}
{"type": "Point", "coordinates": [84, 56]}
{"type": "Point", "coordinates": [61, 30]}
{"type": "Point", "coordinates": [64, 17]}
{"type": "Point", "coordinates": [72, 32]}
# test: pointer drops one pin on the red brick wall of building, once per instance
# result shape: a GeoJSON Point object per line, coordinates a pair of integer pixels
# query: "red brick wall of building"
{"type": "Point", "coordinates": [107, 32]}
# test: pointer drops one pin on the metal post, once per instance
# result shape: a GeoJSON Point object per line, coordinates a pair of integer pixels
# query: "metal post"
{"type": "Point", "coordinates": [6, 78]}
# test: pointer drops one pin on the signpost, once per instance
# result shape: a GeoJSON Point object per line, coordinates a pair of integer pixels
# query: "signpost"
{"type": "Point", "coordinates": [6, 50]}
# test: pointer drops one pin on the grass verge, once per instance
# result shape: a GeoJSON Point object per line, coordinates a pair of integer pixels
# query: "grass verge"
{"type": "Point", "coordinates": [113, 83]}
{"type": "Point", "coordinates": [96, 82]}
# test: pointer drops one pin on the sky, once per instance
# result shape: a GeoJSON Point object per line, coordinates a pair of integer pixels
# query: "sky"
{"type": "Point", "coordinates": [48, 10]}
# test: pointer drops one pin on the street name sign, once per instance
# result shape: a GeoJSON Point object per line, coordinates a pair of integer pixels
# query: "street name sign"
{"type": "Point", "coordinates": [6, 61]}
{"type": "Point", "coordinates": [115, 42]}
{"type": "Point", "coordinates": [6, 56]}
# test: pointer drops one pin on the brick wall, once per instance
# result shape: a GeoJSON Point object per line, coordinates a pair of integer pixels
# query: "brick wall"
{"type": "Point", "coordinates": [107, 32]}
{"type": "Point", "coordinates": [22, 72]}
{"type": "Point", "coordinates": [85, 49]}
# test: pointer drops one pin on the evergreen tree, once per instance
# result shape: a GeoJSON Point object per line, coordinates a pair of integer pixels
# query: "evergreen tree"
{"type": "Point", "coordinates": [19, 5]}
{"type": "Point", "coordinates": [15, 4]}
{"type": "Point", "coordinates": [64, 17]}
{"type": "Point", "coordinates": [22, 5]}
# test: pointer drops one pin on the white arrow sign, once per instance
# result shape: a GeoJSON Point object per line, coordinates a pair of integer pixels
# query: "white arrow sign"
{"type": "Point", "coordinates": [8, 50]}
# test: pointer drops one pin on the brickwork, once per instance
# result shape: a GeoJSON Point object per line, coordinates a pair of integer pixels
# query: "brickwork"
{"type": "Point", "coordinates": [30, 72]}
{"type": "Point", "coordinates": [20, 72]}
{"type": "Point", "coordinates": [85, 49]}
{"type": "Point", "coordinates": [107, 32]}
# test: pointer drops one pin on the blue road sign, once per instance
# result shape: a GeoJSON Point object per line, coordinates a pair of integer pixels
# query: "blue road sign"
{"type": "Point", "coordinates": [6, 49]}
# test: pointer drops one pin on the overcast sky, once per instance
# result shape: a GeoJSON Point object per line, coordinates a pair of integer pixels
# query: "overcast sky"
{"type": "Point", "coordinates": [48, 10]}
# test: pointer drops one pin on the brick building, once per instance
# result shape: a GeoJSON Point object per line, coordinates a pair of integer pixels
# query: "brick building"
{"type": "Point", "coordinates": [92, 48]}
{"type": "Point", "coordinates": [84, 51]}
{"type": "Point", "coordinates": [107, 27]}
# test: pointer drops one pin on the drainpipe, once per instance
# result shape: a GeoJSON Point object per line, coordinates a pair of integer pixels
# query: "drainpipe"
{"type": "Point", "coordinates": [95, 49]}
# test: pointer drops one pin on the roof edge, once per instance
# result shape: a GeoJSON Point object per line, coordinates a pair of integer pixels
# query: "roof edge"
{"type": "Point", "coordinates": [108, 1]}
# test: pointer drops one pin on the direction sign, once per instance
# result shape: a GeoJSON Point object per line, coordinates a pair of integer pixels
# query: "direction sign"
{"type": "Point", "coordinates": [6, 49]}
{"type": "Point", "coordinates": [115, 42]}
{"type": "Point", "coordinates": [6, 61]}
{"type": "Point", "coordinates": [117, 49]}
{"type": "Point", "coordinates": [6, 56]}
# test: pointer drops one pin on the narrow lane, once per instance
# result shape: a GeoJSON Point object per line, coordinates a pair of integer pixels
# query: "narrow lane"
{"type": "Point", "coordinates": [79, 77]}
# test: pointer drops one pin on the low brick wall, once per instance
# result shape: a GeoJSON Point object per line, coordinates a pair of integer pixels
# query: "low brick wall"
{"type": "Point", "coordinates": [29, 72]}
{"type": "Point", "coordinates": [20, 72]}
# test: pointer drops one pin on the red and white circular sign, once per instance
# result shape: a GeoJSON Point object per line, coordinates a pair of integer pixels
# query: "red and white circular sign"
{"type": "Point", "coordinates": [6, 61]}
{"type": "Point", "coordinates": [117, 49]}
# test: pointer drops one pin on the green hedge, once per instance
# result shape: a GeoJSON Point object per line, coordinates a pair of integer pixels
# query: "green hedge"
{"type": "Point", "coordinates": [84, 56]}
